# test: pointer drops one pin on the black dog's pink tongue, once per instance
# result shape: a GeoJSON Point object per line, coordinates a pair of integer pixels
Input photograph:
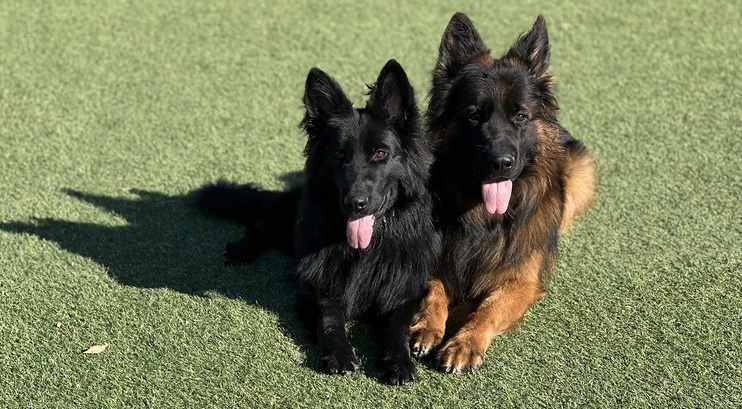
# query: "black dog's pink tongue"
{"type": "Point", "coordinates": [496, 196]}
{"type": "Point", "coordinates": [359, 232]}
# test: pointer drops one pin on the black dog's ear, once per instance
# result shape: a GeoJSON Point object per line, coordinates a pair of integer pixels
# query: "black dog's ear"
{"type": "Point", "coordinates": [323, 99]}
{"type": "Point", "coordinates": [392, 97]}
{"type": "Point", "coordinates": [533, 48]}
{"type": "Point", "coordinates": [460, 45]}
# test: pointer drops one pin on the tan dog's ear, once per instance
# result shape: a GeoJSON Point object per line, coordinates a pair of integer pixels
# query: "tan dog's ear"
{"type": "Point", "coordinates": [532, 48]}
{"type": "Point", "coordinates": [460, 45]}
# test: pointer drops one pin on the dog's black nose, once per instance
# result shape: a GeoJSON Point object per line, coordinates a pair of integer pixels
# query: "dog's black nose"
{"type": "Point", "coordinates": [359, 203]}
{"type": "Point", "coordinates": [504, 163]}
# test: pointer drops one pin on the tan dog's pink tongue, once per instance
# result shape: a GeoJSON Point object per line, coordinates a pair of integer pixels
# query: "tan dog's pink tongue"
{"type": "Point", "coordinates": [496, 196]}
{"type": "Point", "coordinates": [359, 232]}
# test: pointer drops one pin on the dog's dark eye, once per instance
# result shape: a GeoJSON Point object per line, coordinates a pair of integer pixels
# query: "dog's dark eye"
{"type": "Point", "coordinates": [474, 115]}
{"type": "Point", "coordinates": [379, 155]}
{"type": "Point", "coordinates": [520, 118]}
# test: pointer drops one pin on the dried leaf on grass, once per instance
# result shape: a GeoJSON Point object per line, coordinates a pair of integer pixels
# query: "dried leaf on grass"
{"type": "Point", "coordinates": [95, 349]}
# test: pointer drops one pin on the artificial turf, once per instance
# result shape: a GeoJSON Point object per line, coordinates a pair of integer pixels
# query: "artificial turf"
{"type": "Point", "coordinates": [111, 111]}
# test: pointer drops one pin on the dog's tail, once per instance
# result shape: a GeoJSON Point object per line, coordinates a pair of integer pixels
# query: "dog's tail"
{"type": "Point", "coordinates": [270, 216]}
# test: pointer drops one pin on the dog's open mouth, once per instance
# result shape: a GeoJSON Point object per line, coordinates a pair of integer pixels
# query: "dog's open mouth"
{"type": "Point", "coordinates": [360, 230]}
{"type": "Point", "coordinates": [496, 196]}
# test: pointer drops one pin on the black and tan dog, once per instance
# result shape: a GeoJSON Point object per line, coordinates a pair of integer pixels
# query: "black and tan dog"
{"type": "Point", "coordinates": [508, 179]}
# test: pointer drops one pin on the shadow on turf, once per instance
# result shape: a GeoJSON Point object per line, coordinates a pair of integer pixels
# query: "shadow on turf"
{"type": "Point", "coordinates": [166, 243]}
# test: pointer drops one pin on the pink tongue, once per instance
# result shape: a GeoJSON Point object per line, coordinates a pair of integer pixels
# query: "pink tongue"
{"type": "Point", "coordinates": [497, 196]}
{"type": "Point", "coordinates": [359, 231]}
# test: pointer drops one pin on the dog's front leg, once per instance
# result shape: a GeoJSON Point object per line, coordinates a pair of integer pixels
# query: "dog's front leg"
{"type": "Point", "coordinates": [498, 311]}
{"type": "Point", "coordinates": [429, 324]}
{"type": "Point", "coordinates": [336, 352]}
{"type": "Point", "coordinates": [396, 361]}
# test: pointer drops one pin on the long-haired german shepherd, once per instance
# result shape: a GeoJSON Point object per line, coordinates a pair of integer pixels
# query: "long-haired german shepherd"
{"type": "Point", "coordinates": [363, 231]}
{"type": "Point", "coordinates": [508, 179]}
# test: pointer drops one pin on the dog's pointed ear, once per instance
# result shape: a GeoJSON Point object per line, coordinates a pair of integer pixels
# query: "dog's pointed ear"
{"type": "Point", "coordinates": [461, 44]}
{"type": "Point", "coordinates": [392, 97]}
{"type": "Point", "coordinates": [323, 99]}
{"type": "Point", "coordinates": [533, 48]}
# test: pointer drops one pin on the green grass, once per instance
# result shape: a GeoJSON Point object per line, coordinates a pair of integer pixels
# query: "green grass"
{"type": "Point", "coordinates": [110, 112]}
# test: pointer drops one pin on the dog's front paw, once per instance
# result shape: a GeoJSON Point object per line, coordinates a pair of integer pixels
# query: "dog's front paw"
{"type": "Point", "coordinates": [424, 337]}
{"type": "Point", "coordinates": [461, 354]}
{"type": "Point", "coordinates": [341, 361]}
{"type": "Point", "coordinates": [239, 252]}
{"type": "Point", "coordinates": [399, 371]}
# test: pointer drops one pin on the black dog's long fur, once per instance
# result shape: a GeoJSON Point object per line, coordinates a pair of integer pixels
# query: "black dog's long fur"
{"type": "Point", "coordinates": [379, 154]}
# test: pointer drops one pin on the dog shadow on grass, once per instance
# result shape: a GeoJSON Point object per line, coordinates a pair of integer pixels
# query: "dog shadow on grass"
{"type": "Point", "coordinates": [167, 243]}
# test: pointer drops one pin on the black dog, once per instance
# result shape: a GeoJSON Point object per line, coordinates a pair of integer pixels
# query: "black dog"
{"type": "Point", "coordinates": [363, 233]}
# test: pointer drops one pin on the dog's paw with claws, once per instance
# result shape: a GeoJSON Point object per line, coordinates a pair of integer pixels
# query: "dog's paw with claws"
{"type": "Point", "coordinates": [340, 361]}
{"type": "Point", "coordinates": [399, 371]}
{"type": "Point", "coordinates": [460, 355]}
{"type": "Point", "coordinates": [424, 337]}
